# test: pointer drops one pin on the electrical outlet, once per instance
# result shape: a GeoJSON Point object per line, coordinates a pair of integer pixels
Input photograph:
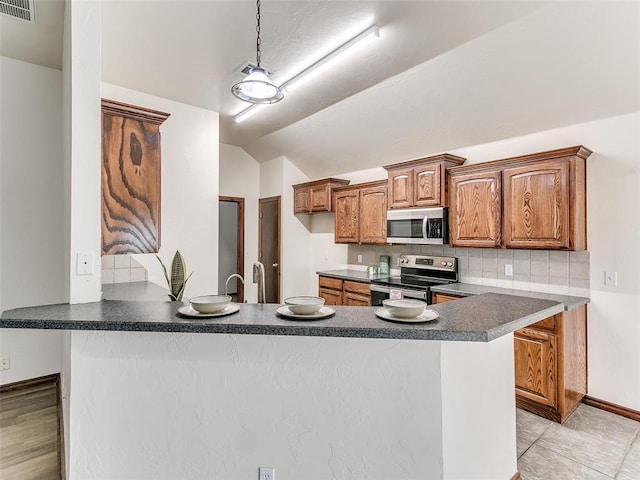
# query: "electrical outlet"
{"type": "Point", "coordinates": [5, 363]}
{"type": "Point", "coordinates": [359, 258]}
{"type": "Point", "coordinates": [611, 279]}
{"type": "Point", "coordinates": [508, 270]}
{"type": "Point", "coordinates": [266, 473]}
{"type": "Point", "coordinates": [84, 264]}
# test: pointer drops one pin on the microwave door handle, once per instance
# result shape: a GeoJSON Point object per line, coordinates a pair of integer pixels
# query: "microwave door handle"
{"type": "Point", "coordinates": [424, 226]}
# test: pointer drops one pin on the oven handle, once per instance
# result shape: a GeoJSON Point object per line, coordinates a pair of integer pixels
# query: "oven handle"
{"type": "Point", "coordinates": [419, 295]}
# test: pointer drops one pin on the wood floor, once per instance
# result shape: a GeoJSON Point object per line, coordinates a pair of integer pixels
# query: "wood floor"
{"type": "Point", "coordinates": [29, 431]}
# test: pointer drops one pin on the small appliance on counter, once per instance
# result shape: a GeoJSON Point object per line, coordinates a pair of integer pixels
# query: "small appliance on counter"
{"type": "Point", "coordinates": [427, 226]}
{"type": "Point", "coordinates": [417, 274]}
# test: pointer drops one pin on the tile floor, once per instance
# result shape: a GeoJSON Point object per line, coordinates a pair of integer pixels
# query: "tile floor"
{"type": "Point", "coordinates": [591, 445]}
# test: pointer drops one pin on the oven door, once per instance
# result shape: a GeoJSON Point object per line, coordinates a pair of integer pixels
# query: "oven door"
{"type": "Point", "coordinates": [381, 292]}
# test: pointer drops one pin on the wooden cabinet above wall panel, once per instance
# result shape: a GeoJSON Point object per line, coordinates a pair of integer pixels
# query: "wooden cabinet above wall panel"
{"type": "Point", "coordinates": [420, 182]}
{"type": "Point", "coordinates": [316, 196]}
{"type": "Point", "coordinates": [131, 180]}
{"type": "Point", "coordinates": [541, 201]}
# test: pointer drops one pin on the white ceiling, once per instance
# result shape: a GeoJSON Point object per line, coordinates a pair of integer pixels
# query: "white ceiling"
{"type": "Point", "coordinates": [443, 75]}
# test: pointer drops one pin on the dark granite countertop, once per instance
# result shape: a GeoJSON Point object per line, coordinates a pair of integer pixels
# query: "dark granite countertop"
{"type": "Point", "coordinates": [349, 274]}
{"type": "Point", "coordinates": [479, 319]}
{"type": "Point", "coordinates": [469, 289]}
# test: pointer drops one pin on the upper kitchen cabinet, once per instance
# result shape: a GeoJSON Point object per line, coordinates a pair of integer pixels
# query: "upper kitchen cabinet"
{"type": "Point", "coordinates": [130, 178]}
{"type": "Point", "coordinates": [532, 201]}
{"type": "Point", "coordinates": [360, 213]}
{"type": "Point", "coordinates": [316, 196]}
{"type": "Point", "coordinates": [475, 215]}
{"type": "Point", "coordinates": [421, 182]}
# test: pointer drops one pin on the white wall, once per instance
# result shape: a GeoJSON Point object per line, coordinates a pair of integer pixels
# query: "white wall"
{"type": "Point", "coordinates": [613, 231]}
{"type": "Point", "coordinates": [240, 177]}
{"type": "Point", "coordinates": [189, 189]}
{"type": "Point", "coordinates": [276, 178]}
{"type": "Point", "coordinates": [33, 270]}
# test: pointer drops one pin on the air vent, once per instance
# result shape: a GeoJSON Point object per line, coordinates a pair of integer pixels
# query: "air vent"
{"type": "Point", "coordinates": [22, 9]}
{"type": "Point", "coordinates": [244, 68]}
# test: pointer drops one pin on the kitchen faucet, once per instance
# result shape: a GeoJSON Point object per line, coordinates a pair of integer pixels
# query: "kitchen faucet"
{"type": "Point", "coordinates": [226, 284]}
{"type": "Point", "coordinates": [258, 277]}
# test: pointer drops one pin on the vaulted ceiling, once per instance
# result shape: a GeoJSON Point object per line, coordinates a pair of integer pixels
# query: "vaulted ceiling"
{"type": "Point", "coordinates": [442, 75]}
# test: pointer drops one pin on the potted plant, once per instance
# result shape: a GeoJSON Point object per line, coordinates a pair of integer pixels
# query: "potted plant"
{"type": "Point", "coordinates": [178, 279]}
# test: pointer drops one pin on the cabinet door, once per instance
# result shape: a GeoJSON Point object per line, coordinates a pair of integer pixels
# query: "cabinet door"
{"type": "Point", "coordinates": [373, 215]}
{"type": "Point", "coordinates": [400, 185]}
{"type": "Point", "coordinates": [321, 198]}
{"type": "Point", "coordinates": [331, 297]}
{"type": "Point", "coordinates": [301, 200]}
{"type": "Point", "coordinates": [427, 186]}
{"type": "Point", "coordinates": [535, 365]}
{"type": "Point", "coordinates": [347, 223]}
{"type": "Point", "coordinates": [356, 300]}
{"type": "Point", "coordinates": [443, 297]}
{"type": "Point", "coordinates": [475, 211]}
{"type": "Point", "coordinates": [536, 205]}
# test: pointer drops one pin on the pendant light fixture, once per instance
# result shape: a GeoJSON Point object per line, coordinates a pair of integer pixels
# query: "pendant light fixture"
{"type": "Point", "coordinates": [256, 87]}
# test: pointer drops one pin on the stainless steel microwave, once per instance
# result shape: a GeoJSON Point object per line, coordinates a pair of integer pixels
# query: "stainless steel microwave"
{"type": "Point", "coordinates": [418, 225]}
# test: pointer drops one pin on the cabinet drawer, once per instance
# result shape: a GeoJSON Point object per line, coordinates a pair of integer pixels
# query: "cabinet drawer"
{"type": "Point", "coordinates": [356, 300]}
{"type": "Point", "coordinates": [547, 324]}
{"type": "Point", "coordinates": [445, 297]}
{"type": "Point", "coordinates": [356, 287]}
{"type": "Point", "coordinates": [327, 282]}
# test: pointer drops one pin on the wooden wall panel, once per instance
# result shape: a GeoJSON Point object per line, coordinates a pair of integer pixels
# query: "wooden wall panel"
{"type": "Point", "coordinates": [131, 181]}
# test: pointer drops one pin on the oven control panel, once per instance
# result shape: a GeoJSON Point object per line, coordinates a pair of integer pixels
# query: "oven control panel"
{"type": "Point", "coordinates": [427, 262]}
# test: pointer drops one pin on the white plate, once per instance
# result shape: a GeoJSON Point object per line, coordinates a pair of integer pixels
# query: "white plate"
{"type": "Point", "coordinates": [188, 311]}
{"type": "Point", "coordinates": [324, 312]}
{"type": "Point", "coordinates": [426, 316]}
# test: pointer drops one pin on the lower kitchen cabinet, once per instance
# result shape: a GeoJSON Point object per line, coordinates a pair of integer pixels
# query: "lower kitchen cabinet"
{"type": "Point", "coordinates": [550, 360]}
{"type": "Point", "coordinates": [343, 292]}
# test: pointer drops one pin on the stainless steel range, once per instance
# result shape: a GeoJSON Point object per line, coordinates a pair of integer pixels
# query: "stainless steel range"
{"type": "Point", "coordinates": [417, 274]}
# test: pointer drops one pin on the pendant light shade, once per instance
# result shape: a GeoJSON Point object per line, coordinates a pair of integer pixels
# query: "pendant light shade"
{"type": "Point", "coordinates": [257, 88]}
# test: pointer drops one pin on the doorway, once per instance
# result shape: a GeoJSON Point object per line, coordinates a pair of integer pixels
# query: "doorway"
{"type": "Point", "coordinates": [231, 246]}
{"type": "Point", "coordinates": [269, 246]}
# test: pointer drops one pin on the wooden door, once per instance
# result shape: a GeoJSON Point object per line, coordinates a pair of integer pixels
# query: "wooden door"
{"type": "Point", "coordinates": [356, 300]}
{"type": "Point", "coordinates": [535, 365]}
{"type": "Point", "coordinates": [269, 241]}
{"type": "Point", "coordinates": [373, 215]}
{"type": "Point", "coordinates": [331, 297]}
{"type": "Point", "coordinates": [347, 223]}
{"type": "Point", "coordinates": [301, 200]}
{"type": "Point", "coordinates": [427, 186]}
{"type": "Point", "coordinates": [400, 186]}
{"type": "Point", "coordinates": [536, 205]}
{"type": "Point", "coordinates": [475, 209]}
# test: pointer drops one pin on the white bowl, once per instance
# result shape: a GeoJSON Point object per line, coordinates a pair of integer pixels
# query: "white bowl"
{"type": "Point", "coordinates": [304, 305]}
{"type": "Point", "coordinates": [404, 308]}
{"type": "Point", "coordinates": [210, 303]}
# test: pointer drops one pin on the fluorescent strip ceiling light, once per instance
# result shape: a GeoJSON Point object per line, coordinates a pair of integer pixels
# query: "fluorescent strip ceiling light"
{"type": "Point", "coordinates": [321, 65]}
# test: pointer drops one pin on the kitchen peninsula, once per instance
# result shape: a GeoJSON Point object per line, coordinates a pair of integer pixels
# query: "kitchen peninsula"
{"type": "Point", "coordinates": [153, 395]}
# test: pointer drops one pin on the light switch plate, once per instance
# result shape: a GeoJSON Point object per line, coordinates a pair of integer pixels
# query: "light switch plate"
{"type": "Point", "coordinates": [84, 264]}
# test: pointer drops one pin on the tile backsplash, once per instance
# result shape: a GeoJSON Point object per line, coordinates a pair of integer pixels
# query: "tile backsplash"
{"type": "Point", "coordinates": [122, 269]}
{"type": "Point", "coordinates": [552, 271]}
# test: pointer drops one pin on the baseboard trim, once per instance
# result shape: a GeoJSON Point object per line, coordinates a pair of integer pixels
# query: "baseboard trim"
{"type": "Point", "coordinates": [31, 382]}
{"type": "Point", "coordinates": [612, 407]}
{"type": "Point", "coordinates": [516, 476]}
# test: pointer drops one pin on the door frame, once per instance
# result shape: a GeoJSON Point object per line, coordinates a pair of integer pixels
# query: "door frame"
{"type": "Point", "coordinates": [240, 235]}
{"type": "Point", "coordinates": [278, 200]}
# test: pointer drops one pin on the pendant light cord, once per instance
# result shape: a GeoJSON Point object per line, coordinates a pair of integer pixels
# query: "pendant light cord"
{"type": "Point", "coordinates": [258, 32]}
